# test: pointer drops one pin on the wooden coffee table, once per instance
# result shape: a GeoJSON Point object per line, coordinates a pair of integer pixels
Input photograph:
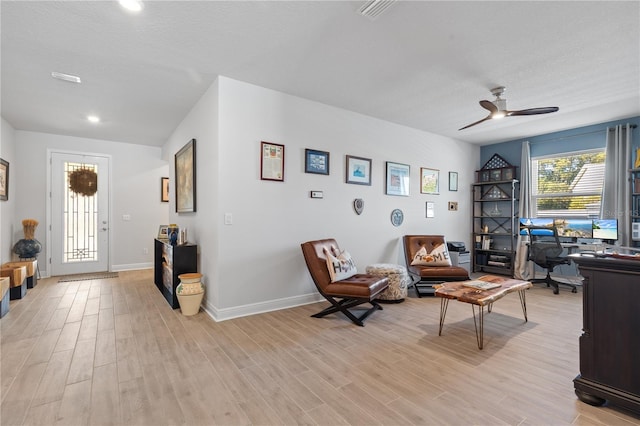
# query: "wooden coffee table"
{"type": "Point", "coordinates": [457, 290]}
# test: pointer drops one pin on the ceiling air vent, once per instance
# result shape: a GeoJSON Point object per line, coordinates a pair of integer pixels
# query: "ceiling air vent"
{"type": "Point", "coordinates": [374, 8]}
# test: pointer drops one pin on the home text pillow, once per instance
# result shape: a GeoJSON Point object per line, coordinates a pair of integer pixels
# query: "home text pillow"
{"type": "Point", "coordinates": [439, 256]}
{"type": "Point", "coordinates": [340, 265]}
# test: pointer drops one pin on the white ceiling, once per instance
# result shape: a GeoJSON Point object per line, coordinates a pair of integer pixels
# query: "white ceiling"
{"type": "Point", "coordinates": [420, 64]}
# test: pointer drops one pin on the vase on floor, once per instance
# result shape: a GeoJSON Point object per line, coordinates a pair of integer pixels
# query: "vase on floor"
{"type": "Point", "coordinates": [28, 247]}
{"type": "Point", "coordinates": [190, 292]}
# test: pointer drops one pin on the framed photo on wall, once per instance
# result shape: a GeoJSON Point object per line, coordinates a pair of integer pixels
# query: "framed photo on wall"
{"type": "Point", "coordinates": [185, 164]}
{"type": "Point", "coordinates": [398, 179]}
{"type": "Point", "coordinates": [429, 181]}
{"type": "Point", "coordinates": [453, 181]}
{"type": "Point", "coordinates": [164, 189]}
{"type": "Point", "coordinates": [358, 170]}
{"type": "Point", "coordinates": [4, 180]}
{"type": "Point", "coordinates": [271, 161]}
{"type": "Point", "coordinates": [316, 162]}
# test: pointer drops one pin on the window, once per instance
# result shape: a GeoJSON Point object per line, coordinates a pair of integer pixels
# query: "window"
{"type": "Point", "coordinates": [568, 184]}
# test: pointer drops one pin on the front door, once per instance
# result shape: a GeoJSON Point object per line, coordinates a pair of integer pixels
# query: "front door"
{"type": "Point", "coordinates": [79, 221]}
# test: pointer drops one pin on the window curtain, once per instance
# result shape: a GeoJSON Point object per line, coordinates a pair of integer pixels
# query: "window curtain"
{"type": "Point", "coordinates": [523, 269]}
{"type": "Point", "coordinates": [616, 202]}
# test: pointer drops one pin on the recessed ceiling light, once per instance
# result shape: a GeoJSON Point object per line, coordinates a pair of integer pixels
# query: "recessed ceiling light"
{"type": "Point", "coordinates": [131, 5]}
{"type": "Point", "coordinates": [66, 77]}
{"type": "Point", "coordinates": [93, 118]}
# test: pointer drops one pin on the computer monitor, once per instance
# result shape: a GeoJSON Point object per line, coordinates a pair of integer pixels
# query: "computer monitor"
{"type": "Point", "coordinates": [525, 222]}
{"type": "Point", "coordinates": [605, 229]}
{"type": "Point", "coordinates": [574, 228]}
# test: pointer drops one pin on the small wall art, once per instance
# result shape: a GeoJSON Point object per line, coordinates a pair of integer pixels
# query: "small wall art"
{"type": "Point", "coordinates": [429, 181]}
{"type": "Point", "coordinates": [4, 180]}
{"type": "Point", "coordinates": [185, 169]}
{"type": "Point", "coordinates": [453, 181]}
{"type": "Point", "coordinates": [164, 189]}
{"type": "Point", "coordinates": [398, 179]}
{"type": "Point", "coordinates": [431, 209]}
{"type": "Point", "coordinates": [271, 161]}
{"type": "Point", "coordinates": [316, 162]}
{"type": "Point", "coordinates": [358, 170]}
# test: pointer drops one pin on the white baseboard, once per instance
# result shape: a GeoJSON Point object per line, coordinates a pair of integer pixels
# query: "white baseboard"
{"type": "Point", "coordinates": [261, 307]}
{"type": "Point", "coordinates": [131, 267]}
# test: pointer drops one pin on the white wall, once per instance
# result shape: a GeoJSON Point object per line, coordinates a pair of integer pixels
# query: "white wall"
{"type": "Point", "coordinates": [135, 190]}
{"type": "Point", "coordinates": [256, 263]}
{"type": "Point", "coordinates": [7, 208]}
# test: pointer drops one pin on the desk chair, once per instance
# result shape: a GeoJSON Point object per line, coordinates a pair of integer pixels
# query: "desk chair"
{"type": "Point", "coordinates": [545, 251]}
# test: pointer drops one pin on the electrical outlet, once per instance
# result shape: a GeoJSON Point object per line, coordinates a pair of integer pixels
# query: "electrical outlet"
{"type": "Point", "coordinates": [228, 219]}
{"type": "Point", "coordinates": [145, 250]}
{"type": "Point", "coordinates": [453, 205]}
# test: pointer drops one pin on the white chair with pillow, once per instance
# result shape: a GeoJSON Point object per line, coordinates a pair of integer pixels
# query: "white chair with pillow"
{"type": "Point", "coordinates": [428, 262]}
{"type": "Point", "coordinates": [336, 278]}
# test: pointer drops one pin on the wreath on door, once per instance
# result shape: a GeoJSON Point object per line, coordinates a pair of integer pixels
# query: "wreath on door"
{"type": "Point", "coordinates": [83, 182]}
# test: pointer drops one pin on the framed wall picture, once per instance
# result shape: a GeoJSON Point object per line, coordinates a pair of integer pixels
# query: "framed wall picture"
{"type": "Point", "coordinates": [271, 161]}
{"type": "Point", "coordinates": [453, 181]}
{"type": "Point", "coordinates": [431, 209]}
{"type": "Point", "coordinates": [185, 164]}
{"type": "Point", "coordinates": [4, 180]}
{"type": "Point", "coordinates": [398, 179]}
{"type": "Point", "coordinates": [358, 170]}
{"type": "Point", "coordinates": [316, 162]}
{"type": "Point", "coordinates": [429, 181]}
{"type": "Point", "coordinates": [164, 189]}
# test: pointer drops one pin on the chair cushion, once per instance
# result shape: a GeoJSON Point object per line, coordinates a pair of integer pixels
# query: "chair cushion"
{"type": "Point", "coordinates": [340, 264]}
{"type": "Point", "coordinates": [444, 273]}
{"type": "Point", "coordinates": [360, 286]}
{"type": "Point", "coordinates": [439, 256]}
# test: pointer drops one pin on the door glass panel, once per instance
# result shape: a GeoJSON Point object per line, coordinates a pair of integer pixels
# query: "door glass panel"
{"type": "Point", "coordinates": [80, 218]}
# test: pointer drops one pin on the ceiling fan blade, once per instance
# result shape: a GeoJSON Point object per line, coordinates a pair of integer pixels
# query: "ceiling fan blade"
{"type": "Point", "coordinates": [533, 111]}
{"type": "Point", "coordinates": [477, 122]}
{"type": "Point", "coordinates": [488, 105]}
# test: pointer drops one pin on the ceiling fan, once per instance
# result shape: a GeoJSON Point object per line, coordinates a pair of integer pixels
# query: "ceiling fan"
{"type": "Point", "coordinates": [498, 108]}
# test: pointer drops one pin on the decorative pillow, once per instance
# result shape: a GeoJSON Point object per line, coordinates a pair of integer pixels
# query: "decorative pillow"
{"type": "Point", "coordinates": [439, 256]}
{"type": "Point", "coordinates": [340, 265]}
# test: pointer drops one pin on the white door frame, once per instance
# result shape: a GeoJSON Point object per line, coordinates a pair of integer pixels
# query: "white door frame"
{"type": "Point", "coordinates": [48, 244]}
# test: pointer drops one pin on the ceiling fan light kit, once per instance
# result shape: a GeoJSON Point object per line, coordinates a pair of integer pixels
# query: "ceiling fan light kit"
{"type": "Point", "coordinates": [498, 108]}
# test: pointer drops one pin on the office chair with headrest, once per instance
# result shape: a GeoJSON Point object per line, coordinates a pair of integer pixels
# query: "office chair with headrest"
{"type": "Point", "coordinates": [545, 251]}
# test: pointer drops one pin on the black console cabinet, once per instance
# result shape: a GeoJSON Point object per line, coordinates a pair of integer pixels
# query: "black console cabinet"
{"type": "Point", "coordinates": [610, 342]}
{"type": "Point", "coordinates": [169, 262]}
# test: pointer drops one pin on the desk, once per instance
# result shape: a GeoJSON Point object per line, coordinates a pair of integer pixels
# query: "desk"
{"type": "Point", "coordinates": [576, 247]}
{"type": "Point", "coordinates": [481, 298]}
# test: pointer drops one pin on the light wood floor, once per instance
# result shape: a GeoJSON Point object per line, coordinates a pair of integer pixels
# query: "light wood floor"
{"type": "Point", "coordinates": [113, 352]}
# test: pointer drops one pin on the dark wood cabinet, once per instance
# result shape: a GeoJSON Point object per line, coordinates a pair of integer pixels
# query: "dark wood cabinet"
{"type": "Point", "coordinates": [610, 342]}
{"type": "Point", "coordinates": [169, 262]}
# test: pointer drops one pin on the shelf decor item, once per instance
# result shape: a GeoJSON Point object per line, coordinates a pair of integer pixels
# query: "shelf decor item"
{"type": "Point", "coordinates": [497, 169]}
